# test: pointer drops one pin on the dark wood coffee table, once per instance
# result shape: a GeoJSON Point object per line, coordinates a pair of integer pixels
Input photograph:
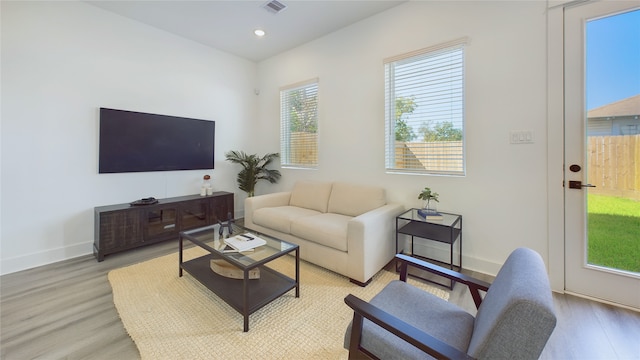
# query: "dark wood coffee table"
{"type": "Point", "coordinates": [245, 295]}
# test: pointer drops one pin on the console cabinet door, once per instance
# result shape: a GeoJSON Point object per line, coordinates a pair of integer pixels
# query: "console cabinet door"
{"type": "Point", "coordinates": [119, 230]}
{"type": "Point", "coordinates": [161, 223]}
{"type": "Point", "coordinates": [221, 207]}
{"type": "Point", "coordinates": [193, 214]}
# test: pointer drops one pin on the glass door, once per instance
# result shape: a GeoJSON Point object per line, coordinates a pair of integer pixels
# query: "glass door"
{"type": "Point", "coordinates": [602, 151]}
{"type": "Point", "coordinates": [193, 214]}
{"type": "Point", "coordinates": [161, 222]}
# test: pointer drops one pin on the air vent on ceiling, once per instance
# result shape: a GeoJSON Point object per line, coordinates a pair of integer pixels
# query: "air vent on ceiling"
{"type": "Point", "coordinates": [274, 6]}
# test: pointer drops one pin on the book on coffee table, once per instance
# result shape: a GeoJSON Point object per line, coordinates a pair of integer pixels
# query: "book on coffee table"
{"type": "Point", "coordinates": [244, 242]}
{"type": "Point", "coordinates": [228, 249]}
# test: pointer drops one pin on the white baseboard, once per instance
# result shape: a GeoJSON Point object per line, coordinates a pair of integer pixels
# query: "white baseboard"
{"type": "Point", "coordinates": [439, 251]}
{"type": "Point", "coordinates": [11, 265]}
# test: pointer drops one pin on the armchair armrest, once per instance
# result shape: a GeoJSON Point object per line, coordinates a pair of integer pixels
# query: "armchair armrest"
{"type": "Point", "coordinates": [473, 284]}
{"type": "Point", "coordinates": [403, 330]}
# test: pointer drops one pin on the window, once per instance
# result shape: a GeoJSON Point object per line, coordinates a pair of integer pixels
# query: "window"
{"type": "Point", "coordinates": [299, 124]}
{"type": "Point", "coordinates": [424, 110]}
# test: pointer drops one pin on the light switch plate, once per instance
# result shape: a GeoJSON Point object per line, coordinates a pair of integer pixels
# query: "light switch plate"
{"type": "Point", "coordinates": [521, 137]}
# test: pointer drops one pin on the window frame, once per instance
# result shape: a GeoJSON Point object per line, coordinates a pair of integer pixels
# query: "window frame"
{"type": "Point", "coordinates": [285, 124]}
{"type": "Point", "coordinates": [390, 64]}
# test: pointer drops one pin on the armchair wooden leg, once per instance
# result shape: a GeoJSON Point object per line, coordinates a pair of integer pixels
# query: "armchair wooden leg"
{"type": "Point", "coordinates": [355, 352]}
{"type": "Point", "coordinates": [356, 333]}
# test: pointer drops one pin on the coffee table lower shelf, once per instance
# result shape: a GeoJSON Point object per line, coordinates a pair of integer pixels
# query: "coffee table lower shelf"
{"type": "Point", "coordinates": [260, 292]}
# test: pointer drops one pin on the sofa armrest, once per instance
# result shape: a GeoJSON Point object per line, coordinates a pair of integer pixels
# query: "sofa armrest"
{"type": "Point", "coordinates": [371, 241]}
{"type": "Point", "coordinates": [254, 203]}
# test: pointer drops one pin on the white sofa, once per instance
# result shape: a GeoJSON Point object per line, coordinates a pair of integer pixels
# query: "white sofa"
{"type": "Point", "coordinates": [346, 228]}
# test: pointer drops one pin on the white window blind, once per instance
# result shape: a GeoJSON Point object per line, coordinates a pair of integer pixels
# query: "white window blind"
{"type": "Point", "coordinates": [424, 110]}
{"type": "Point", "coordinates": [299, 124]}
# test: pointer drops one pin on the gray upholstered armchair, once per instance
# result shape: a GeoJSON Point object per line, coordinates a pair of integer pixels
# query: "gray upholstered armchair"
{"type": "Point", "coordinates": [514, 320]}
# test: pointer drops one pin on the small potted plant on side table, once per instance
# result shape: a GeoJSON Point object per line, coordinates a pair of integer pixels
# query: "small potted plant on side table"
{"type": "Point", "coordinates": [430, 198]}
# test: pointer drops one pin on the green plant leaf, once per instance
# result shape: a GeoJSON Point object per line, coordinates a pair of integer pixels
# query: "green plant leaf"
{"type": "Point", "coordinates": [254, 168]}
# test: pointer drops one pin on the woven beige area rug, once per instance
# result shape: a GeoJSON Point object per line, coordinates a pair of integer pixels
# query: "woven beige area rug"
{"type": "Point", "coordinates": [169, 317]}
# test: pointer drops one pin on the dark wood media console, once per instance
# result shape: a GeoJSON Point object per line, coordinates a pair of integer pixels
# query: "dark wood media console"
{"type": "Point", "coordinates": [122, 227]}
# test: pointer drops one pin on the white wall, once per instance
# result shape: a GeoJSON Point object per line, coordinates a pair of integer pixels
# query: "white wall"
{"type": "Point", "coordinates": [503, 197]}
{"type": "Point", "coordinates": [61, 62]}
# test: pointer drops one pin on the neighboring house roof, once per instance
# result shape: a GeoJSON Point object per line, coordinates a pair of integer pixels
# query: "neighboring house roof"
{"type": "Point", "coordinates": [625, 107]}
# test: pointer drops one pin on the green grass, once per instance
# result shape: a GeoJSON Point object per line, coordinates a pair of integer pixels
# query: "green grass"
{"type": "Point", "coordinates": [614, 232]}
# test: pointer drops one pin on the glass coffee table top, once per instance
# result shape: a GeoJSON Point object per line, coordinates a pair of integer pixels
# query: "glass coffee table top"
{"type": "Point", "coordinates": [210, 239]}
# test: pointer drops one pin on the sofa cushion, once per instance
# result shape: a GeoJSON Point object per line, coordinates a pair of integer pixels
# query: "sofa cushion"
{"type": "Point", "coordinates": [279, 218]}
{"type": "Point", "coordinates": [354, 200]}
{"type": "Point", "coordinates": [325, 229]}
{"type": "Point", "coordinates": [311, 195]}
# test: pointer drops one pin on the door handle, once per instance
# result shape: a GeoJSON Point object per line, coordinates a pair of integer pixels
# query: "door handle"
{"type": "Point", "coordinates": [573, 184]}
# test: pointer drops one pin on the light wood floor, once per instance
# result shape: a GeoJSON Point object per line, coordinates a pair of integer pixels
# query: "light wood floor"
{"type": "Point", "coordinates": [65, 311]}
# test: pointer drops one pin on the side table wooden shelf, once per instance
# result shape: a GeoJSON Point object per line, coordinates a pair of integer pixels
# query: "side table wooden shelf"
{"type": "Point", "coordinates": [447, 230]}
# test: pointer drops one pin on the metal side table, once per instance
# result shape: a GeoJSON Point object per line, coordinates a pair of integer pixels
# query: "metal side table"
{"type": "Point", "coordinates": [448, 230]}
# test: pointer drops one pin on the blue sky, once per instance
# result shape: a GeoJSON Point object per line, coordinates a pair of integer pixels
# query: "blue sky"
{"type": "Point", "coordinates": [613, 58]}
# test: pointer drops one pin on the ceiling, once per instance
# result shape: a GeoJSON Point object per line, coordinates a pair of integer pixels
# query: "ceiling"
{"type": "Point", "coordinates": [229, 25]}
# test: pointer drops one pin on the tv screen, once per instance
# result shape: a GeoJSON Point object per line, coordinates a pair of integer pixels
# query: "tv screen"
{"type": "Point", "coordinates": [136, 142]}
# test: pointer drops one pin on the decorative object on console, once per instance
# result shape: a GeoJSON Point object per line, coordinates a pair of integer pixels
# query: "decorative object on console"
{"type": "Point", "coordinates": [206, 188]}
{"type": "Point", "coordinates": [430, 198]}
{"type": "Point", "coordinates": [254, 168]}
{"type": "Point", "coordinates": [144, 201]}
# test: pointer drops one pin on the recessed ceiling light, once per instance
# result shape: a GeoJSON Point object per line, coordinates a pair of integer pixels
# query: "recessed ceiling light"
{"type": "Point", "coordinates": [259, 32]}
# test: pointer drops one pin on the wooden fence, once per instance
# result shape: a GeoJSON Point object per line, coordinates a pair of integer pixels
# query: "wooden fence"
{"type": "Point", "coordinates": [614, 165]}
{"type": "Point", "coordinates": [445, 156]}
{"type": "Point", "coordinates": [613, 161]}
{"type": "Point", "coordinates": [304, 149]}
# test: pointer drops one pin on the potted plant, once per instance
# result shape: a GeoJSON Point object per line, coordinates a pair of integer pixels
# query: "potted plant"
{"type": "Point", "coordinates": [428, 196]}
{"type": "Point", "coordinates": [254, 168]}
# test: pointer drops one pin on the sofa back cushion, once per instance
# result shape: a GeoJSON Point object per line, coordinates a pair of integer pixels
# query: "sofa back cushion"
{"type": "Point", "coordinates": [354, 200]}
{"type": "Point", "coordinates": [311, 195]}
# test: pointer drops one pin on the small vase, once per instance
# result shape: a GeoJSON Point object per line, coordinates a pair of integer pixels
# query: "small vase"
{"type": "Point", "coordinates": [431, 207]}
{"type": "Point", "coordinates": [206, 188]}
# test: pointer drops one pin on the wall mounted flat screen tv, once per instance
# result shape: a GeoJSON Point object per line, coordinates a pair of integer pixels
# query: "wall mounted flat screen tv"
{"type": "Point", "coordinates": [137, 142]}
